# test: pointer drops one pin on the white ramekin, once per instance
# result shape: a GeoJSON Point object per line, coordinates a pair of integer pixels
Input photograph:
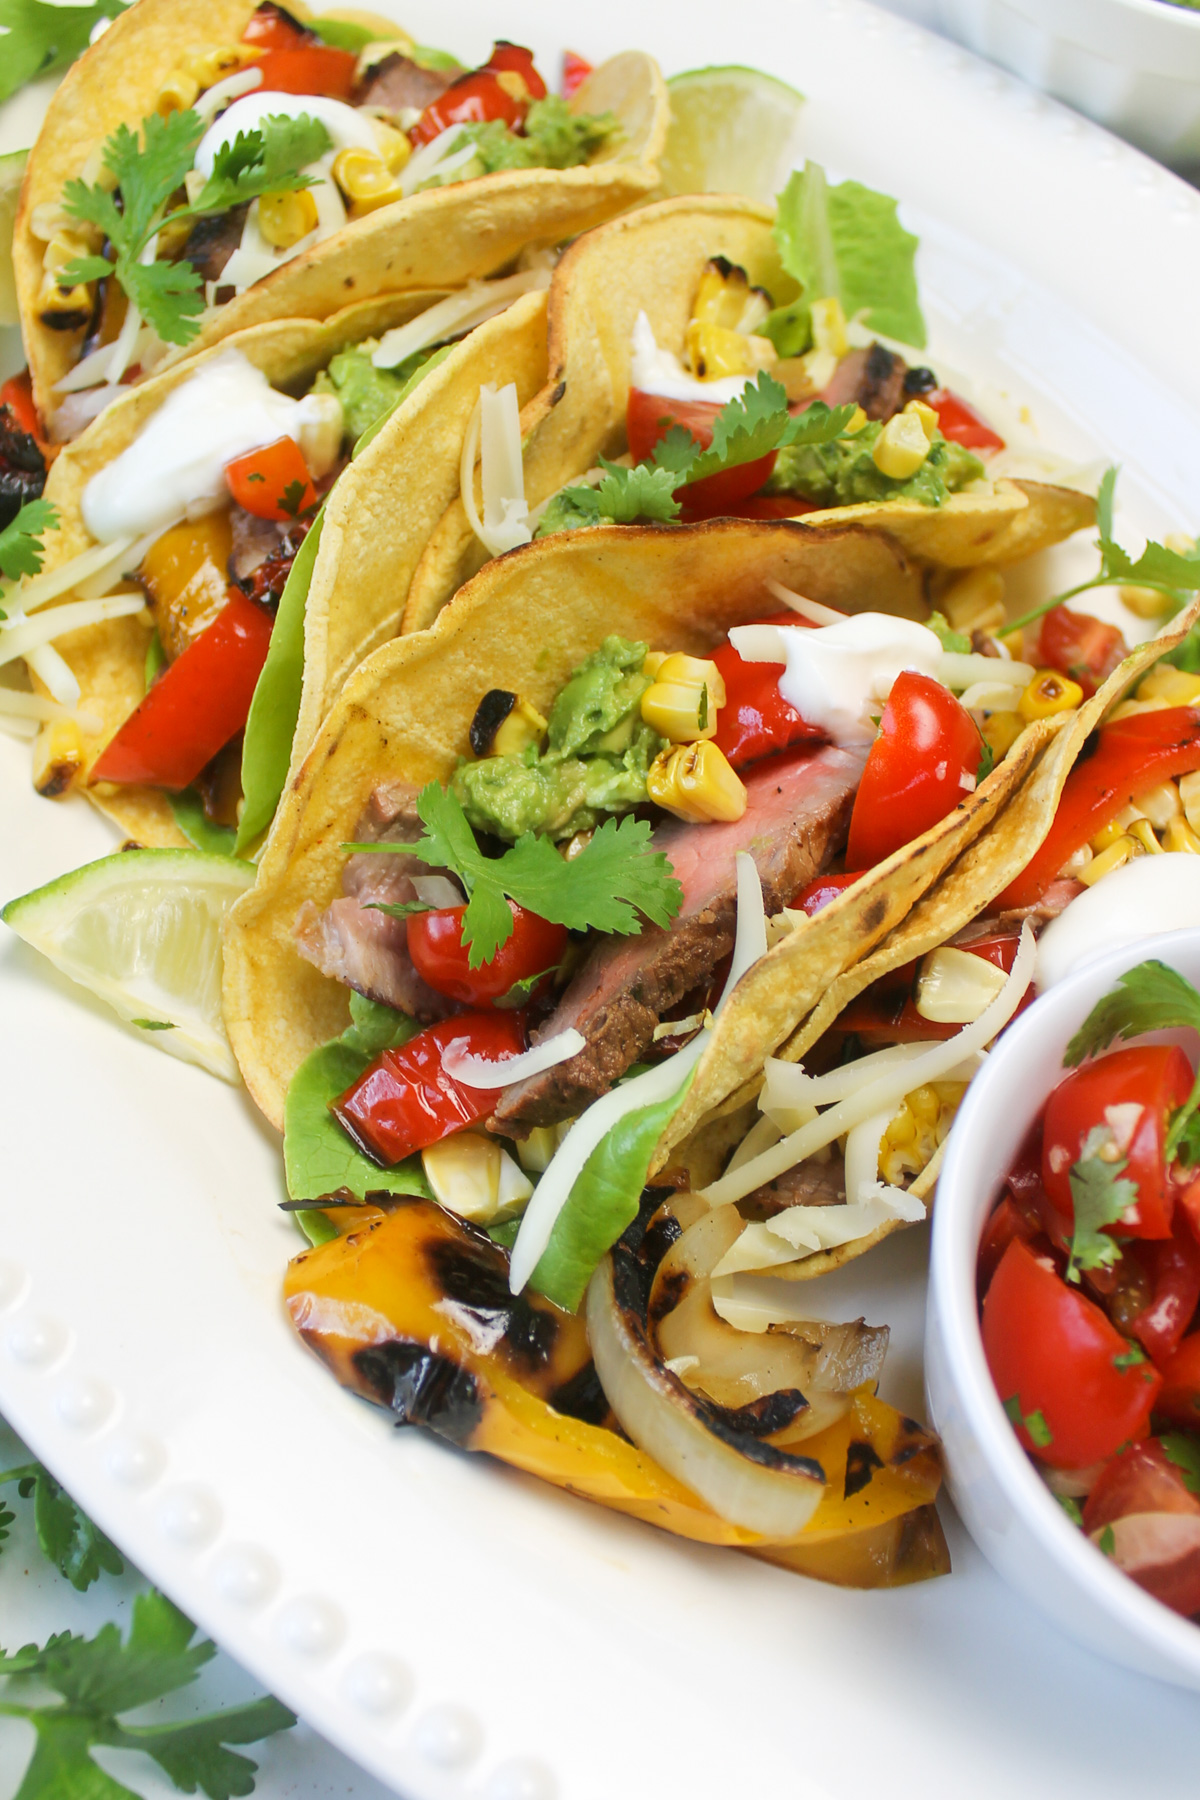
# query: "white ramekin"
{"type": "Point", "coordinates": [1009, 1512]}
{"type": "Point", "coordinates": [1133, 65]}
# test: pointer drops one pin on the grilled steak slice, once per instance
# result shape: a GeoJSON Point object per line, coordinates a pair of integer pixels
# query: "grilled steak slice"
{"type": "Point", "coordinates": [212, 241]}
{"type": "Point", "coordinates": [366, 949]}
{"type": "Point", "coordinates": [796, 818]}
{"type": "Point", "coordinates": [22, 467]}
{"type": "Point", "coordinates": [873, 378]}
{"type": "Point", "coordinates": [397, 83]}
{"type": "Point", "coordinates": [808, 1184]}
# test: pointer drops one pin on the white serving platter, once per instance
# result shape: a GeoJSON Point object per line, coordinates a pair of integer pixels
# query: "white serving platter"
{"type": "Point", "coordinates": [460, 1630]}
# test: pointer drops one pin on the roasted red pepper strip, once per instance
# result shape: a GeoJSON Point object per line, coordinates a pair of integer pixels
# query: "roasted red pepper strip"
{"type": "Point", "coordinates": [274, 482]}
{"type": "Point", "coordinates": [406, 1101]}
{"type": "Point", "coordinates": [476, 98]}
{"type": "Point", "coordinates": [756, 719]}
{"type": "Point", "coordinates": [17, 393]}
{"type": "Point", "coordinates": [195, 706]}
{"type": "Point", "coordinates": [961, 423]}
{"type": "Point", "coordinates": [1130, 757]}
{"type": "Point", "coordinates": [319, 69]}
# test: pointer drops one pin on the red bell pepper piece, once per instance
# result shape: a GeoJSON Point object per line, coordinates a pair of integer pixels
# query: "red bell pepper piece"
{"type": "Point", "coordinates": [319, 69]}
{"type": "Point", "coordinates": [270, 28]}
{"type": "Point", "coordinates": [274, 482]}
{"type": "Point", "coordinates": [1131, 756]}
{"type": "Point", "coordinates": [756, 719]}
{"type": "Point", "coordinates": [17, 394]}
{"type": "Point", "coordinates": [921, 766]}
{"type": "Point", "coordinates": [406, 1101]}
{"type": "Point", "coordinates": [961, 423]}
{"type": "Point", "coordinates": [195, 706]}
{"type": "Point", "coordinates": [481, 96]}
{"type": "Point", "coordinates": [575, 71]}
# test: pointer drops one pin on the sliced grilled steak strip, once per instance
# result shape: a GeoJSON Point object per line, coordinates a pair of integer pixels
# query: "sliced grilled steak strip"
{"type": "Point", "coordinates": [397, 83]}
{"type": "Point", "coordinates": [796, 819]}
{"type": "Point", "coordinates": [872, 378]}
{"type": "Point", "coordinates": [808, 1184]}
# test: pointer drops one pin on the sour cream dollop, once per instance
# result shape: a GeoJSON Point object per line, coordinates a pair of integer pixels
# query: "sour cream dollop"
{"type": "Point", "coordinates": [178, 459]}
{"type": "Point", "coordinates": [658, 371]}
{"type": "Point", "coordinates": [1149, 895]}
{"type": "Point", "coordinates": [349, 128]}
{"type": "Point", "coordinates": [837, 675]}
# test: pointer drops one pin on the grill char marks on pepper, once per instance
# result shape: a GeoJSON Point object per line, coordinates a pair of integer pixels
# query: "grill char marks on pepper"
{"type": "Point", "coordinates": [22, 467]}
{"type": "Point", "coordinates": [796, 818]}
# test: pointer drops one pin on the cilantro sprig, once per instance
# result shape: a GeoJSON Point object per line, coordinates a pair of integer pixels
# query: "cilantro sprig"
{"type": "Point", "coordinates": [1150, 997]}
{"type": "Point", "coordinates": [1099, 1197]}
{"type": "Point", "coordinates": [1166, 571]}
{"type": "Point", "coordinates": [22, 551]}
{"type": "Point", "coordinates": [78, 1549]}
{"type": "Point", "coordinates": [100, 1678]}
{"type": "Point", "coordinates": [614, 880]}
{"type": "Point", "coordinates": [149, 166]}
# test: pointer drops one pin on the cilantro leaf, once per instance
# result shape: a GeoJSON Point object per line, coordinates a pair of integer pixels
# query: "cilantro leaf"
{"type": "Point", "coordinates": [950, 640]}
{"type": "Point", "coordinates": [986, 763]}
{"type": "Point", "coordinates": [21, 549]}
{"type": "Point", "coordinates": [266, 160]}
{"type": "Point", "coordinates": [758, 421]}
{"type": "Point", "coordinates": [99, 1678]}
{"type": "Point", "coordinates": [643, 492]}
{"type": "Point", "coordinates": [1184, 1451]}
{"type": "Point", "coordinates": [1150, 997]}
{"type": "Point", "coordinates": [1034, 1422]}
{"type": "Point", "coordinates": [78, 1548]}
{"type": "Point", "coordinates": [42, 38]}
{"type": "Point", "coordinates": [615, 877]}
{"type": "Point", "coordinates": [1106, 1543]}
{"type": "Point", "coordinates": [1071, 1507]}
{"type": "Point", "coordinates": [1100, 1198]}
{"type": "Point", "coordinates": [291, 501]}
{"type": "Point", "coordinates": [846, 242]}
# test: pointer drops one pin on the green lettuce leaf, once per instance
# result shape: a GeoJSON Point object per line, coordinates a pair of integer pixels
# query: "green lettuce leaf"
{"type": "Point", "coordinates": [846, 242]}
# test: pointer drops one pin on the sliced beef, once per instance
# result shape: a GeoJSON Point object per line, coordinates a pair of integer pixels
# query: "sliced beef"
{"type": "Point", "coordinates": [366, 949]}
{"type": "Point", "coordinates": [263, 553]}
{"type": "Point", "coordinates": [212, 241]}
{"type": "Point", "coordinates": [1056, 899]}
{"type": "Point", "coordinates": [22, 467]}
{"type": "Point", "coordinates": [397, 83]}
{"type": "Point", "coordinates": [796, 819]}
{"type": "Point", "coordinates": [808, 1184]}
{"type": "Point", "coordinates": [872, 378]}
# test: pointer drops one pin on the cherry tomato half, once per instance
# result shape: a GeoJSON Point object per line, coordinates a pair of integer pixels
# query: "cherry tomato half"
{"type": "Point", "coordinates": [1007, 1222]}
{"type": "Point", "coordinates": [1084, 648]}
{"type": "Point", "coordinates": [1156, 1078]}
{"type": "Point", "coordinates": [1180, 1397]}
{"type": "Point", "coordinates": [479, 96]}
{"type": "Point", "coordinates": [820, 892]}
{"type": "Point", "coordinates": [1148, 1521]}
{"type": "Point", "coordinates": [922, 764]}
{"type": "Point", "coordinates": [649, 417]}
{"type": "Point", "coordinates": [756, 719]}
{"type": "Point", "coordinates": [309, 69]}
{"type": "Point", "coordinates": [436, 947]}
{"type": "Point", "coordinates": [1130, 757]}
{"type": "Point", "coordinates": [1174, 1267]}
{"type": "Point", "coordinates": [196, 705]}
{"type": "Point", "coordinates": [1054, 1355]}
{"type": "Point", "coordinates": [274, 482]}
{"type": "Point", "coordinates": [406, 1101]}
{"type": "Point", "coordinates": [961, 423]}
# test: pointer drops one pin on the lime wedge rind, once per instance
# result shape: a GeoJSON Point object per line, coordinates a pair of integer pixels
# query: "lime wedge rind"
{"type": "Point", "coordinates": [142, 931]}
{"type": "Point", "coordinates": [733, 130]}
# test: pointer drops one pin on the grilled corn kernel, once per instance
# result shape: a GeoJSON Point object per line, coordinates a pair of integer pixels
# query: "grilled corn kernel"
{"type": "Point", "coordinates": [57, 758]}
{"type": "Point", "coordinates": [683, 702]}
{"type": "Point", "coordinates": [285, 218]}
{"type": "Point", "coordinates": [975, 602]}
{"type": "Point", "coordinates": [901, 447]}
{"type": "Point", "coordinates": [903, 1128]}
{"type": "Point", "coordinates": [1160, 804]}
{"type": "Point", "coordinates": [365, 179]}
{"type": "Point", "coordinates": [393, 146]}
{"type": "Point", "coordinates": [653, 662]}
{"type": "Point", "coordinates": [829, 327]}
{"type": "Point", "coordinates": [1189, 794]}
{"type": "Point", "coordinates": [858, 419]}
{"type": "Point", "coordinates": [724, 297]}
{"type": "Point", "coordinates": [1049, 693]}
{"type": "Point", "coordinates": [1078, 859]}
{"type": "Point", "coordinates": [1001, 731]}
{"type": "Point", "coordinates": [320, 436]}
{"type": "Point", "coordinates": [1112, 833]}
{"type": "Point", "coordinates": [1146, 603]}
{"type": "Point", "coordinates": [1179, 836]}
{"type": "Point", "coordinates": [917, 1128]}
{"type": "Point", "coordinates": [954, 987]}
{"type": "Point", "coordinates": [1143, 833]}
{"type": "Point", "coordinates": [1175, 686]}
{"type": "Point", "coordinates": [179, 91]}
{"type": "Point", "coordinates": [209, 64]}
{"type": "Point", "coordinates": [714, 351]}
{"type": "Point", "coordinates": [819, 368]}
{"type": "Point", "coordinates": [695, 782]}
{"type": "Point", "coordinates": [1110, 859]}
{"type": "Point", "coordinates": [692, 671]}
{"type": "Point", "coordinates": [523, 726]}
{"type": "Point", "coordinates": [472, 1176]}
{"type": "Point", "coordinates": [927, 416]}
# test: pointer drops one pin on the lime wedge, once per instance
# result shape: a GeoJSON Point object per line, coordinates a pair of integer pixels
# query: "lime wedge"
{"type": "Point", "coordinates": [12, 168]}
{"type": "Point", "coordinates": [733, 131]}
{"type": "Point", "coordinates": [142, 931]}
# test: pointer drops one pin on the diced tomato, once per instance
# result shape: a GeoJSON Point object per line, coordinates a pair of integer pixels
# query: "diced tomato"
{"type": "Point", "coordinates": [271, 28]}
{"type": "Point", "coordinates": [196, 705]}
{"type": "Point", "coordinates": [406, 1101]}
{"type": "Point", "coordinates": [1142, 1514]}
{"type": "Point", "coordinates": [1131, 756]}
{"type": "Point", "coordinates": [274, 482]}
{"type": "Point", "coordinates": [441, 958]}
{"type": "Point", "coordinates": [1056, 1358]}
{"type": "Point", "coordinates": [648, 419]}
{"type": "Point", "coordinates": [756, 719]}
{"type": "Point", "coordinates": [1084, 648]}
{"type": "Point", "coordinates": [820, 892]}
{"type": "Point", "coordinates": [1174, 1265]}
{"type": "Point", "coordinates": [961, 423]}
{"type": "Point", "coordinates": [758, 506]}
{"type": "Point", "coordinates": [479, 96]}
{"type": "Point", "coordinates": [1156, 1078]}
{"type": "Point", "coordinates": [319, 69]}
{"type": "Point", "coordinates": [1180, 1397]}
{"type": "Point", "coordinates": [575, 71]}
{"type": "Point", "coordinates": [921, 766]}
{"type": "Point", "coordinates": [17, 393]}
{"type": "Point", "coordinates": [1188, 1202]}
{"type": "Point", "coordinates": [1006, 1223]}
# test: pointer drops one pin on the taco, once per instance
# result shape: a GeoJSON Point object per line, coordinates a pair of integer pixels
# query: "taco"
{"type": "Point", "coordinates": [660, 358]}
{"type": "Point", "coordinates": [205, 167]}
{"type": "Point", "coordinates": [581, 723]}
{"type": "Point", "coordinates": [1119, 781]}
{"type": "Point", "coordinates": [223, 493]}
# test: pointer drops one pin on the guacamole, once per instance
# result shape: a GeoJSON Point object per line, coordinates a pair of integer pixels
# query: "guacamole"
{"type": "Point", "coordinates": [367, 394]}
{"type": "Point", "coordinates": [596, 758]}
{"type": "Point", "coordinates": [553, 137]}
{"type": "Point", "coordinates": [843, 473]}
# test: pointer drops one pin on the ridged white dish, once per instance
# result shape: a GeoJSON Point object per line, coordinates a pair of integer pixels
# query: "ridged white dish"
{"type": "Point", "coordinates": [1133, 65]}
{"type": "Point", "coordinates": [466, 1633]}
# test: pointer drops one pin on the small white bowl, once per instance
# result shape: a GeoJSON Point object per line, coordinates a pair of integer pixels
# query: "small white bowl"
{"type": "Point", "coordinates": [1009, 1512]}
{"type": "Point", "coordinates": [1133, 65]}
